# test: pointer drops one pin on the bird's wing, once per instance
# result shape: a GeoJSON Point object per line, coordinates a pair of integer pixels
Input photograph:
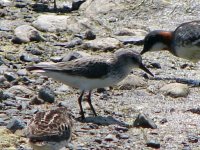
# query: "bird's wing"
{"type": "Point", "coordinates": [92, 67]}
{"type": "Point", "coordinates": [188, 34]}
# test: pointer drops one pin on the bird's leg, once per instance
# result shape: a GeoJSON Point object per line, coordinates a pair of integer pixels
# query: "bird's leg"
{"type": "Point", "coordinates": [89, 102]}
{"type": "Point", "coordinates": [55, 6]}
{"type": "Point", "coordinates": [80, 105]}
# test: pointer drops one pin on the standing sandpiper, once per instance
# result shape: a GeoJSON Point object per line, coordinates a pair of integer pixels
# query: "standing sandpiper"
{"type": "Point", "coordinates": [184, 42]}
{"type": "Point", "coordinates": [50, 130]}
{"type": "Point", "coordinates": [88, 73]}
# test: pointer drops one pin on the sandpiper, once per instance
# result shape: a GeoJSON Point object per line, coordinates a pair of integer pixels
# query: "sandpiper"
{"type": "Point", "coordinates": [50, 130]}
{"type": "Point", "coordinates": [184, 42]}
{"type": "Point", "coordinates": [88, 73]}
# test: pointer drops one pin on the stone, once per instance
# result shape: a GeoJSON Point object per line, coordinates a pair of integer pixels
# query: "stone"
{"type": "Point", "coordinates": [22, 72]}
{"type": "Point", "coordinates": [89, 35]}
{"type": "Point", "coordinates": [175, 90]}
{"type": "Point", "coordinates": [10, 76]}
{"type": "Point", "coordinates": [104, 44]}
{"type": "Point", "coordinates": [25, 34]}
{"type": "Point", "coordinates": [74, 55]}
{"type": "Point", "coordinates": [56, 23]}
{"type": "Point", "coordinates": [193, 138]}
{"type": "Point", "coordinates": [36, 101]}
{"type": "Point", "coordinates": [136, 40]}
{"type": "Point", "coordinates": [5, 3]}
{"type": "Point", "coordinates": [153, 144]}
{"type": "Point", "coordinates": [15, 124]}
{"type": "Point", "coordinates": [29, 58]}
{"type": "Point", "coordinates": [132, 82]}
{"type": "Point", "coordinates": [2, 122]}
{"type": "Point", "coordinates": [144, 121]}
{"type": "Point", "coordinates": [47, 94]}
{"type": "Point", "coordinates": [19, 89]}
{"type": "Point", "coordinates": [109, 137]}
{"type": "Point", "coordinates": [70, 44]}
{"type": "Point", "coordinates": [122, 136]}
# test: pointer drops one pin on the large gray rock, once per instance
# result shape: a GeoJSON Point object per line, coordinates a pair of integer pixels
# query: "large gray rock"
{"type": "Point", "coordinates": [103, 44]}
{"type": "Point", "coordinates": [25, 34]}
{"type": "Point", "coordinates": [19, 89]}
{"type": "Point", "coordinates": [54, 23]}
{"type": "Point", "coordinates": [175, 90]}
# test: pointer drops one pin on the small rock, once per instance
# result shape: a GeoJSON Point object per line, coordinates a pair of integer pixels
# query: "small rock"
{"type": "Point", "coordinates": [2, 122]}
{"type": "Point", "coordinates": [19, 89]}
{"type": "Point", "coordinates": [29, 58]}
{"type": "Point", "coordinates": [22, 72]}
{"type": "Point", "coordinates": [163, 121]}
{"type": "Point", "coordinates": [131, 82]}
{"type": "Point", "coordinates": [70, 44]}
{"type": "Point", "coordinates": [9, 103]}
{"type": "Point", "coordinates": [25, 34]}
{"type": "Point", "coordinates": [119, 128]}
{"type": "Point", "coordinates": [102, 44]}
{"type": "Point", "coordinates": [47, 94]}
{"type": "Point", "coordinates": [89, 35]}
{"type": "Point", "coordinates": [56, 59]}
{"type": "Point", "coordinates": [10, 76]}
{"type": "Point", "coordinates": [3, 96]}
{"type": "Point", "coordinates": [74, 55]}
{"type": "Point", "coordinates": [175, 90]}
{"type": "Point", "coordinates": [109, 137]}
{"type": "Point", "coordinates": [15, 124]}
{"type": "Point", "coordinates": [154, 65]}
{"type": "Point", "coordinates": [63, 88]}
{"type": "Point", "coordinates": [145, 122]}
{"type": "Point", "coordinates": [123, 136]}
{"type": "Point", "coordinates": [153, 144]}
{"type": "Point", "coordinates": [98, 140]}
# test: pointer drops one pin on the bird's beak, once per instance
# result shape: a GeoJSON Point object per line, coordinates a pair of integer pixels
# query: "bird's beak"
{"type": "Point", "coordinates": [145, 69]}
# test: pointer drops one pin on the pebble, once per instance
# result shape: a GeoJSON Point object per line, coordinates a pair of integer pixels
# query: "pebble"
{"type": "Point", "coordinates": [119, 128]}
{"type": "Point", "coordinates": [89, 35]}
{"type": "Point", "coordinates": [109, 137]}
{"type": "Point", "coordinates": [22, 72]}
{"type": "Point", "coordinates": [175, 90]}
{"type": "Point", "coordinates": [47, 94]}
{"type": "Point", "coordinates": [74, 55]}
{"type": "Point", "coordinates": [122, 136]}
{"type": "Point", "coordinates": [131, 82]}
{"type": "Point", "coordinates": [29, 58]}
{"type": "Point", "coordinates": [98, 140]}
{"type": "Point", "coordinates": [36, 101]}
{"type": "Point", "coordinates": [106, 43]}
{"type": "Point", "coordinates": [153, 144]}
{"type": "Point", "coordinates": [15, 124]}
{"type": "Point", "coordinates": [163, 121]}
{"type": "Point", "coordinates": [2, 122]}
{"type": "Point", "coordinates": [144, 121]}
{"type": "Point", "coordinates": [10, 76]}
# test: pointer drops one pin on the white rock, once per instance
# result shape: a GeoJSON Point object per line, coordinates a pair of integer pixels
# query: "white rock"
{"type": "Point", "coordinates": [175, 90]}
{"type": "Point", "coordinates": [102, 44]}
{"type": "Point", "coordinates": [53, 23]}
{"type": "Point", "coordinates": [132, 81]}
{"type": "Point", "coordinates": [27, 33]}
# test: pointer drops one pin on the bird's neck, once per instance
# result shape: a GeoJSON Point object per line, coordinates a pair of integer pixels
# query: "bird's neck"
{"type": "Point", "coordinates": [167, 37]}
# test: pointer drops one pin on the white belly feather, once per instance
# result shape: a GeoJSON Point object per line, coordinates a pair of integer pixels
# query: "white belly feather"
{"type": "Point", "coordinates": [82, 82]}
{"type": "Point", "coordinates": [190, 53]}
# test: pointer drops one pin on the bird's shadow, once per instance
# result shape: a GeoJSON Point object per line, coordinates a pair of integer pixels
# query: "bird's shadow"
{"type": "Point", "coordinates": [44, 8]}
{"type": "Point", "coordinates": [190, 82]}
{"type": "Point", "coordinates": [104, 121]}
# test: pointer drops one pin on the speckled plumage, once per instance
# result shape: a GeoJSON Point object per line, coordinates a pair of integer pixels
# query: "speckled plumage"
{"type": "Point", "coordinates": [49, 128]}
